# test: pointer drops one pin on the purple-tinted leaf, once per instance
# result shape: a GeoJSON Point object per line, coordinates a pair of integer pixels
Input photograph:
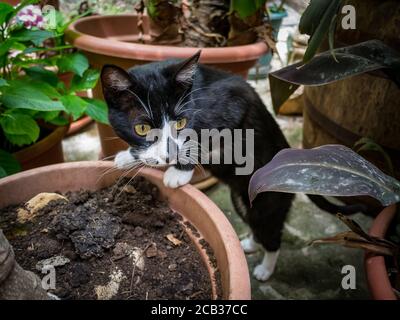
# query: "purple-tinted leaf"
{"type": "Point", "coordinates": [368, 56]}
{"type": "Point", "coordinates": [331, 170]}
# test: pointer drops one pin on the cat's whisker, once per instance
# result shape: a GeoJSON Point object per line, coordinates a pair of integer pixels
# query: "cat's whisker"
{"type": "Point", "coordinates": [146, 109]}
{"type": "Point", "coordinates": [111, 138]}
{"type": "Point", "coordinates": [129, 181]}
{"type": "Point", "coordinates": [109, 157]}
{"type": "Point", "coordinates": [148, 103]}
{"type": "Point", "coordinates": [107, 171]}
{"type": "Point", "coordinates": [124, 174]}
{"type": "Point", "coordinates": [186, 95]}
{"type": "Point", "coordinates": [191, 100]}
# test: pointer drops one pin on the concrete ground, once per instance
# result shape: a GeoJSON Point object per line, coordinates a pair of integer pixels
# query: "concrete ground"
{"type": "Point", "coordinates": [303, 271]}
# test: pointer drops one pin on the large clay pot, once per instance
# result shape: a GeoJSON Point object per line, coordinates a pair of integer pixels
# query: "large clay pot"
{"type": "Point", "coordinates": [377, 276]}
{"type": "Point", "coordinates": [192, 204]}
{"type": "Point", "coordinates": [111, 40]}
{"type": "Point", "coordinates": [44, 152]}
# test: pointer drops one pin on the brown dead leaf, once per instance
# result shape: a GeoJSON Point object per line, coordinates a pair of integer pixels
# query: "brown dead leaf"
{"type": "Point", "coordinates": [174, 240]}
{"type": "Point", "coordinates": [33, 206]}
{"type": "Point", "coordinates": [352, 240]}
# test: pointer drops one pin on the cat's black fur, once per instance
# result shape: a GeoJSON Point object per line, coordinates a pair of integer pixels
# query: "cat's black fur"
{"type": "Point", "coordinates": [218, 100]}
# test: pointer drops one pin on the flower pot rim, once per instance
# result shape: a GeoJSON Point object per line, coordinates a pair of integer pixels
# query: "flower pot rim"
{"type": "Point", "coordinates": [375, 266]}
{"type": "Point", "coordinates": [65, 176]}
{"type": "Point", "coordinates": [44, 144]}
{"type": "Point", "coordinates": [147, 52]}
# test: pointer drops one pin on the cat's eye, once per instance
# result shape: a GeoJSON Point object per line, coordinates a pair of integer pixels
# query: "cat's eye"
{"type": "Point", "coordinates": [180, 124]}
{"type": "Point", "coordinates": [142, 129]}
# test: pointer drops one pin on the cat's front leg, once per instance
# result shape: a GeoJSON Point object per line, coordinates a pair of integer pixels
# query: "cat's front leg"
{"type": "Point", "coordinates": [177, 176]}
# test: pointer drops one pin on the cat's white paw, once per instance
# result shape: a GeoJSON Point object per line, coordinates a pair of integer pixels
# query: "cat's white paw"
{"type": "Point", "coordinates": [123, 159]}
{"type": "Point", "coordinates": [261, 273]}
{"type": "Point", "coordinates": [174, 178]}
{"type": "Point", "coordinates": [265, 269]}
{"type": "Point", "coordinates": [249, 245]}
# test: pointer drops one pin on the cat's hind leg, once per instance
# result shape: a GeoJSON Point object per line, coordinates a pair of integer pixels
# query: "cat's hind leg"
{"type": "Point", "coordinates": [266, 219]}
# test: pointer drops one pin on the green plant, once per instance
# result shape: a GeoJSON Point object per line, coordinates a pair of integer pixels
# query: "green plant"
{"type": "Point", "coordinates": [33, 55]}
{"type": "Point", "coordinates": [275, 8]}
{"type": "Point", "coordinates": [207, 23]}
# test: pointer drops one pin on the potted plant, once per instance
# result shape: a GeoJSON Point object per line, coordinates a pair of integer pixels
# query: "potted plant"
{"type": "Point", "coordinates": [202, 226]}
{"type": "Point", "coordinates": [35, 104]}
{"type": "Point", "coordinates": [339, 82]}
{"type": "Point", "coordinates": [274, 15]}
{"type": "Point", "coordinates": [233, 39]}
{"type": "Point", "coordinates": [335, 170]}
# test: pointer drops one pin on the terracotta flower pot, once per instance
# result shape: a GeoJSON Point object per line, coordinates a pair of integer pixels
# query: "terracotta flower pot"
{"type": "Point", "coordinates": [44, 152]}
{"type": "Point", "coordinates": [78, 125]}
{"type": "Point", "coordinates": [192, 204]}
{"type": "Point", "coordinates": [111, 39]}
{"type": "Point", "coordinates": [377, 276]}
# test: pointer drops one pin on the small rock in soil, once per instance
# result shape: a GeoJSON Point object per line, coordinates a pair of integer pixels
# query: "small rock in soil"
{"type": "Point", "coordinates": [138, 232]}
{"type": "Point", "coordinates": [172, 267]}
{"type": "Point", "coordinates": [121, 250]}
{"type": "Point", "coordinates": [55, 261]}
{"type": "Point", "coordinates": [151, 251]}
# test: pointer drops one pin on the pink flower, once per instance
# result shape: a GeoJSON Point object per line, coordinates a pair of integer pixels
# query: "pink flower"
{"type": "Point", "coordinates": [30, 16]}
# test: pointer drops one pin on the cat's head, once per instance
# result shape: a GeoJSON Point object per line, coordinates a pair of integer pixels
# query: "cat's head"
{"type": "Point", "coordinates": [152, 99]}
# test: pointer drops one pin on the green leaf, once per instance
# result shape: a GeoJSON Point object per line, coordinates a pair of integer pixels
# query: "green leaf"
{"type": "Point", "coordinates": [321, 30]}
{"type": "Point", "coordinates": [19, 129]}
{"type": "Point", "coordinates": [75, 62]}
{"type": "Point", "coordinates": [6, 46]}
{"type": "Point", "coordinates": [97, 110]}
{"type": "Point", "coordinates": [60, 120]}
{"type": "Point", "coordinates": [3, 172]}
{"type": "Point", "coordinates": [246, 8]}
{"type": "Point", "coordinates": [38, 73]}
{"type": "Point", "coordinates": [3, 82]}
{"type": "Point", "coordinates": [8, 164]}
{"type": "Point", "coordinates": [74, 105]}
{"type": "Point", "coordinates": [331, 37]}
{"type": "Point", "coordinates": [312, 16]}
{"type": "Point", "coordinates": [47, 115]}
{"type": "Point", "coordinates": [87, 81]}
{"type": "Point", "coordinates": [367, 144]}
{"type": "Point", "coordinates": [22, 94]}
{"type": "Point", "coordinates": [6, 12]}
{"type": "Point", "coordinates": [35, 36]}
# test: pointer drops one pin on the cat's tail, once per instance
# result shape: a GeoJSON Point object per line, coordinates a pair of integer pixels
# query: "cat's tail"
{"type": "Point", "coordinates": [330, 207]}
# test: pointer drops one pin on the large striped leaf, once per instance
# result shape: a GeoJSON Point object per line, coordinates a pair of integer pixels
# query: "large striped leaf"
{"type": "Point", "coordinates": [331, 170]}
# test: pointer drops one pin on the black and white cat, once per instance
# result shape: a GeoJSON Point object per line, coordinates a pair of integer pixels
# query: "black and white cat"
{"type": "Point", "coordinates": [173, 95]}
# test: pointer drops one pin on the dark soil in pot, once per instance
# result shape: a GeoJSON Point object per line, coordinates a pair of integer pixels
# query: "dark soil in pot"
{"type": "Point", "coordinates": [121, 242]}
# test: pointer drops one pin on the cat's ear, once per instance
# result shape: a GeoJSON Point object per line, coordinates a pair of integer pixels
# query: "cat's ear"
{"type": "Point", "coordinates": [114, 78]}
{"type": "Point", "coordinates": [184, 75]}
